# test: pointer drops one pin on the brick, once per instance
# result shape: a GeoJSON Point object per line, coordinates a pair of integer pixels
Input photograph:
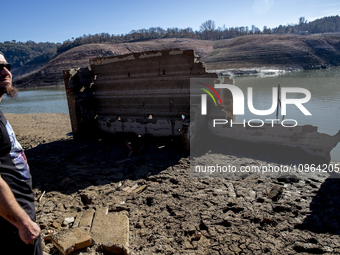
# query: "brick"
{"type": "Point", "coordinates": [77, 221]}
{"type": "Point", "coordinates": [140, 189]}
{"type": "Point", "coordinates": [72, 239]}
{"type": "Point", "coordinates": [113, 76]}
{"type": "Point", "coordinates": [111, 230]}
{"type": "Point", "coordinates": [130, 189]}
{"type": "Point", "coordinates": [86, 219]}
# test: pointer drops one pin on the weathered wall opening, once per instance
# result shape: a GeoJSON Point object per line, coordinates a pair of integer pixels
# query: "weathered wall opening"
{"type": "Point", "coordinates": [148, 93]}
{"type": "Point", "coordinates": [144, 93]}
{"type": "Point", "coordinates": [80, 98]}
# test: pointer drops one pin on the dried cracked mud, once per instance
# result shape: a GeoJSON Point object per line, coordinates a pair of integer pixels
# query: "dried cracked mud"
{"type": "Point", "coordinates": [172, 212]}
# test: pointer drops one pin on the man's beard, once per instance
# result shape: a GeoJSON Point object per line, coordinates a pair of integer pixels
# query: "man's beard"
{"type": "Point", "coordinates": [12, 92]}
{"type": "Point", "coordinates": [9, 91]}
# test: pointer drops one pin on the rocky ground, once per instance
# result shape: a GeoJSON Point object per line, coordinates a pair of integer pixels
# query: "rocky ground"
{"type": "Point", "coordinates": [173, 213]}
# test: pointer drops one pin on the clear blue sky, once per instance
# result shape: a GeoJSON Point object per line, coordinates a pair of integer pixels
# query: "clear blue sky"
{"type": "Point", "coordinates": [59, 20]}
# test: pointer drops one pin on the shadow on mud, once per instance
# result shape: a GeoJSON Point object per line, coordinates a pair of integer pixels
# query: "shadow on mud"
{"type": "Point", "coordinates": [71, 165]}
{"type": "Point", "coordinates": [269, 153]}
{"type": "Point", "coordinates": [324, 210]}
{"type": "Point", "coordinates": [324, 216]}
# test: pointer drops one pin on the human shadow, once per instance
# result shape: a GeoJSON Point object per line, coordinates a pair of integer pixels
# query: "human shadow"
{"type": "Point", "coordinates": [70, 165]}
{"type": "Point", "coordinates": [324, 216]}
{"type": "Point", "coordinates": [270, 153]}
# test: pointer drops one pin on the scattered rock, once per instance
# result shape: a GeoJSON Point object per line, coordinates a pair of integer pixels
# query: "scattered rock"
{"type": "Point", "coordinates": [231, 189]}
{"type": "Point", "coordinates": [275, 192]}
{"type": "Point", "coordinates": [245, 215]}
{"type": "Point", "coordinates": [71, 240]}
{"type": "Point", "coordinates": [68, 220]}
{"type": "Point", "coordinates": [56, 225]}
{"type": "Point", "coordinates": [309, 248]}
{"type": "Point", "coordinates": [111, 230]}
{"type": "Point", "coordinates": [86, 219]}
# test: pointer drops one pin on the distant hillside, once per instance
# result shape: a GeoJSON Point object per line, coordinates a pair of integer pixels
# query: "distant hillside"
{"type": "Point", "coordinates": [279, 51]}
{"type": "Point", "coordinates": [283, 51]}
{"type": "Point", "coordinates": [20, 54]}
{"type": "Point", "coordinates": [207, 31]}
{"type": "Point", "coordinates": [51, 73]}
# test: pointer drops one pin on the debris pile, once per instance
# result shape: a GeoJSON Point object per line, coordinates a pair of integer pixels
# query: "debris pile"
{"type": "Point", "coordinates": [170, 213]}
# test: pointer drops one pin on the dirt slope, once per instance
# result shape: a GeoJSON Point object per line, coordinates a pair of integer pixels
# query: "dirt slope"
{"type": "Point", "coordinates": [283, 51]}
{"type": "Point", "coordinates": [307, 52]}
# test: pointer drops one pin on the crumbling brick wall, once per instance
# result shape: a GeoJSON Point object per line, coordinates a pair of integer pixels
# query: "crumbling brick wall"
{"type": "Point", "coordinates": [81, 104]}
{"type": "Point", "coordinates": [146, 93]}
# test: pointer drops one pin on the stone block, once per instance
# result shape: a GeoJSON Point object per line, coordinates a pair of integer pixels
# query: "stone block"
{"type": "Point", "coordinates": [111, 230]}
{"type": "Point", "coordinates": [86, 219]}
{"type": "Point", "coordinates": [77, 220]}
{"type": "Point", "coordinates": [275, 192]}
{"type": "Point", "coordinates": [72, 239]}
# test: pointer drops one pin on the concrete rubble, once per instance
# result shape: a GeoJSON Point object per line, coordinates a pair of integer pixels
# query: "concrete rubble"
{"type": "Point", "coordinates": [71, 240]}
{"type": "Point", "coordinates": [175, 214]}
{"type": "Point", "coordinates": [110, 231]}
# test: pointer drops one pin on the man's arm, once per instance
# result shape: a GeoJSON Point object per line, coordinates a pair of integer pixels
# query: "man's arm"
{"type": "Point", "coordinates": [11, 211]}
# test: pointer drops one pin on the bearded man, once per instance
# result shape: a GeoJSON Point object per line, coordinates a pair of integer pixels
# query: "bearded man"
{"type": "Point", "coordinates": [19, 234]}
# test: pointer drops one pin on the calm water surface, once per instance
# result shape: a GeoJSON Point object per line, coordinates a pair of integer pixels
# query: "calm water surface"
{"type": "Point", "coordinates": [40, 100]}
{"type": "Point", "coordinates": [324, 104]}
{"type": "Point", "coordinates": [323, 85]}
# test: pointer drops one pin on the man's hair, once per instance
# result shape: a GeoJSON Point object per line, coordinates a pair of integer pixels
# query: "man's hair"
{"type": "Point", "coordinates": [12, 92]}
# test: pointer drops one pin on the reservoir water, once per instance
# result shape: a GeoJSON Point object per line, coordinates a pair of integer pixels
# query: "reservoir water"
{"type": "Point", "coordinates": [39, 100]}
{"type": "Point", "coordinates": [324, 104]}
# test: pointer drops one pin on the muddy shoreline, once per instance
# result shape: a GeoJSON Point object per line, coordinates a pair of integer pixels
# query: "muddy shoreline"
{"type": "Point", "coordinates": [266, 71]}
{"type": "Point", "coordinates": [230, 72]}
{"type": "Point", "coordinates": [244, 215]}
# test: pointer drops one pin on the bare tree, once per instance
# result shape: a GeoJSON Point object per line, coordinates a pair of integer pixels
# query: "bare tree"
{"type": "Point", "coordinates": [302, 20]}
{"type": "Point", "coordinates": [209, 25]}
{"type": "Point", "coordinates": [207, 28]}
{"type": "Point", "coordinates": [302, 24]}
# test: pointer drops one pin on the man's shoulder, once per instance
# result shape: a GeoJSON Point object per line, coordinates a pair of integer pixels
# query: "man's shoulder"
{"type": "Point", "coordinates": [3, 118]}
{"type": "Point", "coordinates": [3, 123]}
